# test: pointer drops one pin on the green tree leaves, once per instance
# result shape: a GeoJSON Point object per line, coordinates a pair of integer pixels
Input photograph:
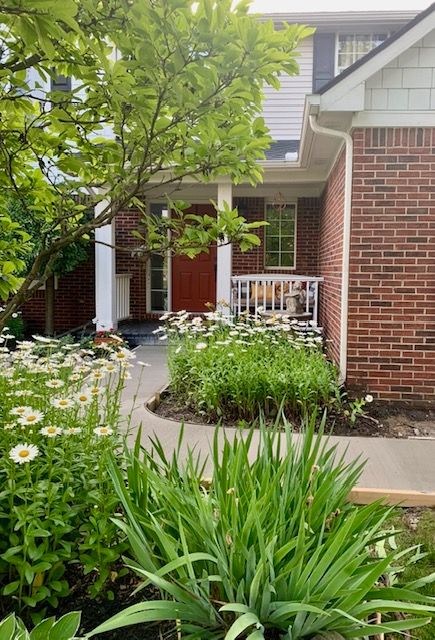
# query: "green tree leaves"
{"type": "Point", "coordinates": [160, 92]}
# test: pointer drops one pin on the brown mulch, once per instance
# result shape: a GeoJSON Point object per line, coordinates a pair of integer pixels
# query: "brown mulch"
{"type": "Point", "coordinates": [97, 610]}
{"type": "Point", "coordinates": [383, 420]}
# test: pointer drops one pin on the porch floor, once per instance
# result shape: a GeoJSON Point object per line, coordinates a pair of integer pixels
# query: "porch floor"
{"type": "Point", "coordinates": [138, 332]}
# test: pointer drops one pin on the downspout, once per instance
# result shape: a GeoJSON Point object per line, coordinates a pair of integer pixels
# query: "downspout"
{"type": "Point", "coordinates": [347, 215]}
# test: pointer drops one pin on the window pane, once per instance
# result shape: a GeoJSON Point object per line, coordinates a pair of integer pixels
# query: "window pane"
{"type": "Point", "coordinates": [352, 47]}
{"type": "Point", "coordinates": [287, 259]}
{"type": "Point", "coordinates": [272, 244]}
{"type": "Point", "coordinates": [272, 260]}
{"type": "Point", "coordinates": [158, 300]}
{"type": "Point", "coordinates": [273, 228]}
{"type": "Point", "coordinates": [287, 244]}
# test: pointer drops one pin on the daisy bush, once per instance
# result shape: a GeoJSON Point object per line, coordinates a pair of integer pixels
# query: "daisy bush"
{"type": "Point", "coordinates": [59, 415]}
{"type": "Point", "coordinates": [234, 369]}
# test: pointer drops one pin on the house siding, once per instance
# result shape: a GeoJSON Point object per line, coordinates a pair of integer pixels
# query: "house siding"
{"type": "Point", "coordinates": [283, 109]}
{"type": "Point", "coordinates": [330, 256]}
{"type": "Point", "coordinates": [407, 83]}
{"type": "Point", "coordinates": [391, 338]}
{"type": "Point", "coordinates": [74, 301]}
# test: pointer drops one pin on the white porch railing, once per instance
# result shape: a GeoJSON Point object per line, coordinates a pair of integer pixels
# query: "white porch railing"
{"type": "Point", "coordinates": [269, 291]}
{"type": "Point", "coordinates": [123, 296]}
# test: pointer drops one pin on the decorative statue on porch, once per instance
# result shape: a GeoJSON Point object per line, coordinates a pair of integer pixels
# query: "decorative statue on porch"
{"type": "Point", "coordinates": [294, 300]}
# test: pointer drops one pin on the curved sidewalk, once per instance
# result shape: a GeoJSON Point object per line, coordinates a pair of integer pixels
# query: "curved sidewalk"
{"type": "Point", "coordinates": [407, 465]}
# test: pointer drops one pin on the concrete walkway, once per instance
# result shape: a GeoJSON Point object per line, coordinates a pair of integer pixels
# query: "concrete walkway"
{"type": "Point", "coordinates": [391, 463]}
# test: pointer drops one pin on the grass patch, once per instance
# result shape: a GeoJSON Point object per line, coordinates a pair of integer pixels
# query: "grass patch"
{"type": "Point", "coordinates": [417, 528]}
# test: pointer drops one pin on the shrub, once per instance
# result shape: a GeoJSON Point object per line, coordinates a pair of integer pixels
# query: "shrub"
{"type": "Point", "coordinates": [268, 548]}
{"type": "Point", "coordinates": [234, 371]}
{"type": "Point", "coordinates": [59, 415]}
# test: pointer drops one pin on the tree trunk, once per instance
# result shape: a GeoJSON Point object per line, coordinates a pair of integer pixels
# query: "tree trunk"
{"type": "Point", "coordinates": [49, 305]}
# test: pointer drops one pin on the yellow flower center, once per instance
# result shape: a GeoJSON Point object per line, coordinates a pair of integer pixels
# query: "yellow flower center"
{"type": "Point", "coordinates": [63, 403]}
{"type": "Point", "coordinates": [83, 398]}
{"type": "Point", "coordinates": [24, 453]}
{"type": "Point", "coordinates": [51, 429]}
{"type": "Point", "coordinates": [20, 410]}
{"type": "Point", "coordinates": [103, 430]}
{"type": "Point", "coordinates": [30, 418]}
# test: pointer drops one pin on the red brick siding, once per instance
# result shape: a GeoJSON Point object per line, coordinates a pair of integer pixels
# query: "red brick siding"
{"type": "Point", "coordinates": [307, 231]}
{"type": "Point", "coordinates": [74, 303]}
{"type": "Point", "coordinates": [330, 256]}
{"type": "Point", "coordinates": [127, 262]}
{"type": "Point", "coordinates": [391, 346]}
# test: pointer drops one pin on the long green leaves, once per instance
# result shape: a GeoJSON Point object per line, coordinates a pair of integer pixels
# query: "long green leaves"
{"type": "Point", "coordinates": [269, 546]}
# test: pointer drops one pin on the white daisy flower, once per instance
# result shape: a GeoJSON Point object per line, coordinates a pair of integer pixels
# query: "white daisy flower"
{"type": "Point", "coordinates": [31, 417]}
{"type": "Point", "coordinates": [95, 391]}
{"type": "Point", "coordinates": [73, 430]}
{"type": "Point", "coordinates": [62, 403]}
{"type": "Point", "coordinates": [19, 411]}
{"type": "Point", "coordinates": [83, 397]}
{"type": "Point", "coordinates": [122, 354]}
{"type": "Point", "coordinates": [200, 346]}
{"type": "Point", "coordinates": [45, 340]}
{"type": "Point", "coordinates": [103, 431]}
{"type": "Point", "coordinates": [115, 337]}
{"type": "Point", "coordinates": [51, 431]}
{"type": "Point", "coordinates": [54, 383]}
{"type": "Point", "coordinates": [369, 398]}
{"type": "Point", "coordinates": [22, 453]}
{"type": "Point", "coordinates": [110, 367]}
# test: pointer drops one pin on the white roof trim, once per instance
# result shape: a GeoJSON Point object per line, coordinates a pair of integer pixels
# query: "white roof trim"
{"type": "Point", "coordinates": [336, 18]}
{"type": "Point", "coordinates": [378, 61]}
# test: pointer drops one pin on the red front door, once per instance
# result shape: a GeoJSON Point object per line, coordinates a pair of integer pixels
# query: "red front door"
{"type": "Point", "coordinates": [194, 279]}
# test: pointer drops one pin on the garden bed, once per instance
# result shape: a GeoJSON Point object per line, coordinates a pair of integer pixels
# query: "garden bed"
{"type": "Point", "coordinates": [381, 419]}
{"type": "Point", "coordinates": [97, 610]}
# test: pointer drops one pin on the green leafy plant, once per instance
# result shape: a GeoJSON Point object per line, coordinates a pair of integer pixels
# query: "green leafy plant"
{"type": "Point", "coordinates": [60, 413]}
{"type": "Point", "coordinates": [13, 628]}
{"type": "Point", "coordinates": [234, 370]}
{"type": "Point", "coordinates": [268, 547]}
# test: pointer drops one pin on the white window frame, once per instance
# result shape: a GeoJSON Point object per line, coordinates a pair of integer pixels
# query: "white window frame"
{"type": "Point", "coordinates": [364, 32]}
{"type": "Point", "coordinates": [168, 259]}
{"type": "Point", "coordinates": [290, 203]}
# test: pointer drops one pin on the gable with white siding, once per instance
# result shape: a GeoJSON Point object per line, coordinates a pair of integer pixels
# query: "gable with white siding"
{"type": "Point", "coordinates": [407, 83]}
{"type": "Point", "coordinates": [283, 109]}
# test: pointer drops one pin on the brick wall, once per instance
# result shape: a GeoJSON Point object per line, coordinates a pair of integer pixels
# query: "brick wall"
{"type": "Point", "coordinates": [330, 255]}
{"type": "Point", "coordinates": [392, 280]}
{"type": "Point", "coordinates": [74, 303]}
{"type": "Point", "coordinates": [127, 262]}
{"type": "Point", "coordinates": [307, 233]}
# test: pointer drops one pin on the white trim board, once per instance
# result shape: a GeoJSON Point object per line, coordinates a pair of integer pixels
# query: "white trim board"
{"type": "Point", "coordinates": [394, 119]}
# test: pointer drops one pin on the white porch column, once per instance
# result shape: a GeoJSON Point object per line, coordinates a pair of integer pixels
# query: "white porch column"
{"type": "Point", "coordinates": [105, 274]}
{"type": "Point", "coordinates": [224, 256]}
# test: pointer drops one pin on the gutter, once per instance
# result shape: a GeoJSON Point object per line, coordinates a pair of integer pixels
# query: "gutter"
{"type": "Point", "coordinates": [347, 215]}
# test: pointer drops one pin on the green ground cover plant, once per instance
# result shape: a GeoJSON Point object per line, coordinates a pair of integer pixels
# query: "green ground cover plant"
{"type": "Point", "coordinates": [235, 370]}
{"type": "Point", "coordinates": [267, 548]}
{"type": "Point", "coordinates": [59, 415]}
{"type": "Point", "coordinates": [417, 527]}
{"type": "Point", "coordinates": [13, 628]}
